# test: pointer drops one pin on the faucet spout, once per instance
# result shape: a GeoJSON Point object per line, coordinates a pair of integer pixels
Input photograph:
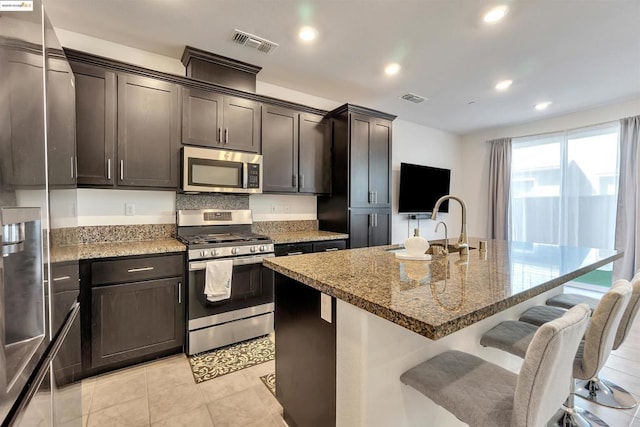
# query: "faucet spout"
{"type": "Point", "coordinates": [463, 243]}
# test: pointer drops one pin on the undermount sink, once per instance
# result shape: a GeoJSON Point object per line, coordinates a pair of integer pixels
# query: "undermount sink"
{"type": "Point", "coordinates": [450, 248]}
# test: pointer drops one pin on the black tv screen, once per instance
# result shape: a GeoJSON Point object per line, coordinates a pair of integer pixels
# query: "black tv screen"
{"type": "Point", "coordinates": [420, 188]}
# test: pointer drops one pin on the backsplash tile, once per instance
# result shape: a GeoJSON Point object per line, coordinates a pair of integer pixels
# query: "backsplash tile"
{"type": "Point", "coordinates": [112, 233]}
{"type": "Point", "coordinates": [212, 201]}
{"type": "Point", "coordinates": [267, 227]}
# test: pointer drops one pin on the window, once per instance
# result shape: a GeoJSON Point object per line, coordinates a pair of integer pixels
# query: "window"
{"type": "Point", "coordinates": [564, 189]}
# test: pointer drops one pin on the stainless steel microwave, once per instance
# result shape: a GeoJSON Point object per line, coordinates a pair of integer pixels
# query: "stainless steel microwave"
{"type": "Point", "coordinates": [220, 171]}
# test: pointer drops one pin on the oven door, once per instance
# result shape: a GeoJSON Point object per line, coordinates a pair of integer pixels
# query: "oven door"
{"type": "Point", "coordinates": [251, 293]}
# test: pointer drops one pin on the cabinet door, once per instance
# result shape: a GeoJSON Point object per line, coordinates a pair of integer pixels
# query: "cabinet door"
{"type": "Point", "coordinates": [381, 228]}
{"type": "Point", "coordinates": [135, 319]}
{"type": "Point", "coordinates": [359, 228]}
{"type": "Point", "coordinates": [380, 163]}
{"type": "Point", "coordinates": [95, 124]}
{"type": "Point", "coordinates": [202, 118]}
{"type": "Point", "coordinates": [22, 155]}
{"type": "Point", "coordinates": [359, 192]}
{"type": "Point", "coordinates": [61, 123]}
{"type": "Point", "coordinates": [148, 132]}
{"type": "Point", "coordinates": [241, 124]}
{"type": "Point", "coordinates": [315, 154]}
{"type": "Point", "coordinates": [279, 150]}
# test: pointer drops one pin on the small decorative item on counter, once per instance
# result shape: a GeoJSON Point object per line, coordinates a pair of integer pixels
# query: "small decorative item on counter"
{"type": "Point", "coordinates": [416, 245]}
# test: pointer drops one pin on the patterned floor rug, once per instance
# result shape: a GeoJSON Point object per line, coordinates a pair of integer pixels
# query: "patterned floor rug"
{"type": "Point", "coordinates": [215, 363]}
{"type": "Point", "coordinates": [269, 381]}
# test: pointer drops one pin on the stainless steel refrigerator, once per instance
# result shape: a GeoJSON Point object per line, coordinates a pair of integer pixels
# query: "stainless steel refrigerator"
{"type": "Point", "coordinates": [39, 321]}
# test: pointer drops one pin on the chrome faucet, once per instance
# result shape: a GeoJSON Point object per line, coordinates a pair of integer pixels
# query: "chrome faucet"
{"type": "Point", "coordinates": [446, 235]}
{"type": "Point", "coordinates": [463, 243]}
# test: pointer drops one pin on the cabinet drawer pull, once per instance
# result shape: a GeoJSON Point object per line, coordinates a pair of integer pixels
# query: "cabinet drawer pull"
{"type": "Point", "coordinates": [57, 279]}
{"type": "Point", "coordinates": [121, 170]}
{"type": "Point", "coordinates": [72, 164]}
{"type": "Point", "coordinates": [220, 135]}
{"type": "Point", "coordinates": [331, 249]}
{"type": "Point", "coordinates": [294, 253]}
{"type": "Point", "coordinates": [226, 135]}
{"type": "Point", "coordinates": [136, 270]}
{"type": "Point", "coordinates": [109, 169]}
{"type": "Point", "coordinates": [179, 292]}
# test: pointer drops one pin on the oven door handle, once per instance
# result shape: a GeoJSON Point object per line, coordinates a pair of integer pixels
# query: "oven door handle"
{"type": "Point", "coordinates": [195, 266]}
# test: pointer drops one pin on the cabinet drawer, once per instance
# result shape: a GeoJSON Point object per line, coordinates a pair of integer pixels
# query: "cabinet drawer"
{"type": "Point", "coordinates": [136, 269]}
{"type": "Point", "coordinates": [293, 249]}
{"type": "Point", "coordinates": [330, 245]}
{"type": "Point", "coordinates": [65, 277]}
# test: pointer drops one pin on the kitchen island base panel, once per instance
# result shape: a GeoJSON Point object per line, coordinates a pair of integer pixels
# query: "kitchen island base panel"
{"type": "Point", "coordinates": [372, 353]}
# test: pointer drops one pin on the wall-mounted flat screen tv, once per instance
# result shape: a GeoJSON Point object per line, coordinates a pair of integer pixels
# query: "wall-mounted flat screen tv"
{"type": "Point", "coordinates": [420, 188]}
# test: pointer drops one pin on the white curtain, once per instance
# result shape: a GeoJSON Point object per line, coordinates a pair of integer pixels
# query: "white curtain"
{"type": "Point", "coordinates": [627, 231]}
{"type": "Point", "coordinates": [499, 186]}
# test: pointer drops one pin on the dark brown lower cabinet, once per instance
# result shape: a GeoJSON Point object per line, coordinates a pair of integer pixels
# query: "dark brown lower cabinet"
{"type": "Point", "coordinates": [306, 362]}
{"type": "Point", "coordinates": [135, 319]}
{"type": "Point", "coordinates": [133, 310]}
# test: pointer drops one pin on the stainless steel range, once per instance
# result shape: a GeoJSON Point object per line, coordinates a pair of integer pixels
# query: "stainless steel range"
{"type": "Point", "coordinates": [213, 234]}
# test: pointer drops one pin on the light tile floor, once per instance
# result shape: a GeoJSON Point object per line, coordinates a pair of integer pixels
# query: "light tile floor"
{"type": "Point", "coordinates": [163, 393]}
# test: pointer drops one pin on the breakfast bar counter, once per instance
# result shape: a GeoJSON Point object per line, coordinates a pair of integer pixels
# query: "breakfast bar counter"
{"type": "Point", "coordinates": [348, 323]}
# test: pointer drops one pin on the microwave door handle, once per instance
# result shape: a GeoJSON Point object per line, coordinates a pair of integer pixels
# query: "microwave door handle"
{"type": "Point", "coordinates": [245, 175]}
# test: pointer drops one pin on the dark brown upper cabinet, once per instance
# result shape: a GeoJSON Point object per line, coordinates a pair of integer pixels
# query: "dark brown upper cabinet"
{"type": "Point", "coordinates": [214, 120]}
{"type": "Point", "coordinates": [95, 124]}
{"type": "Point", "coordinates": [370, 161]}
{"type": "Point", "coordinates": [148, 132]}
{"type": "Point", "coordinates": [127, 129]}
{"type": "Point", "coordinates": [296, 151]}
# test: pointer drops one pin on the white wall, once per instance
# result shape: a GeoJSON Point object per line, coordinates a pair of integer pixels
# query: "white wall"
{"type": "Point", "coordinates": [411, 143]}
{"type": "Point", "coordinates": [475, 152]}
{"type": "Point", "coordinates": [414, 143]}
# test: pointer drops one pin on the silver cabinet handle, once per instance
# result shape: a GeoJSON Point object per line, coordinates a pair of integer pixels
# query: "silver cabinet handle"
{"type": "Point", "coordinates": [121, 170]}
{"type": "Point", "coordinates": [331, 249]}
{"type": "Point", "coordinates": [294, 253]}
{"type": "Point", "coordinates": [71, 158]}
{"type": "Point", "coordinates": [301, 181]}
{"type": "Point", "coordinates": [226, 135]}
{"type": "Point", "coordinates": [57, 279]}
{"type": "Point", "coordinates": [375, 197]}
{"type": "Point", "coordinates": [109, 169]}
{"type": "Point", "coordinates": [179, 292]}
{"type": "Point", "coordinates": [75, 163]}
{"type": "Point", "coordinates": [294, 182]}
{"type": "Point", "coordinates": [376, 219]}
{"type": "Point", "coordinates": [136, 270]}
{"type": "Point", "coordinates": [371, 220]}
{"type": "Point", "coordinates": [220, 135]}
{"type": "Point", "coordinates": [370, 200]}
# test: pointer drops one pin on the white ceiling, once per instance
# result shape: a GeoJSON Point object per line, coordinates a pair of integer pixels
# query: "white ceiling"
{"type": "Point", "coordinates": [576, 53]}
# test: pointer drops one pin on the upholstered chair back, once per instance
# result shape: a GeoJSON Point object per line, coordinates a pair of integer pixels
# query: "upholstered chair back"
{"type": "Point", "coordinates": [544, 379]}
{"type": "Point", "coordinates": [630, 313]}
{"type": "Point", "coordinates": [598, 341]}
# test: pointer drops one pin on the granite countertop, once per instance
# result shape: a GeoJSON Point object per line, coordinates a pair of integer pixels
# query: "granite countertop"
{"type": "Point", "coordinates": [115, 249]}
{"type": "Point", "coordinates": [305, 236]}
{"type": "Point", "coordinates": [438, 297]}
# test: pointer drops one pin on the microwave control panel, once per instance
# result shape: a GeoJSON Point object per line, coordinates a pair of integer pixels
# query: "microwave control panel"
{"type": "Point", "coordinates": [253, 175]}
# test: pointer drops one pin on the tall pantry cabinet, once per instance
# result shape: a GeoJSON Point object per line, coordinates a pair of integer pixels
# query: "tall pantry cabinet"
{"type": "Point", "coordinates": [360, 201]}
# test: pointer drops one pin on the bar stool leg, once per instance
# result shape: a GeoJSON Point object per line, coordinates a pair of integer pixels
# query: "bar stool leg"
{"type": "Point", "coordinates": [605, 393]}
{"type": "Point", "coordinates": [571, 416]}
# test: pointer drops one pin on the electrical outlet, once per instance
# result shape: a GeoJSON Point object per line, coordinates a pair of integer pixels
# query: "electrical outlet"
{"type": "Point", "coordinates": [129, 209]}
{"type": "Point", "coordinates": [286, 209]}
{"type": "Point", "coordinates": [274, 208]}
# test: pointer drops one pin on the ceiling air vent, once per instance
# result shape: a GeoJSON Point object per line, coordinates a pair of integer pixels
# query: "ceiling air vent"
{"type": "Point", "coordinates": [412, 97]}
{"type": "Point", "coordinates": [254, 42]}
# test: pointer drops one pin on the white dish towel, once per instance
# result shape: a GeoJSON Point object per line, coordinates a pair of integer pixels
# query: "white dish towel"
{"type": "Point", "coordinates": [217, 280]}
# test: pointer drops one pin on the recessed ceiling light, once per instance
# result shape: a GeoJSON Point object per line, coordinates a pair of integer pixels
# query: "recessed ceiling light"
{"type": "Point", "coordinates": [392, 69]}
{"type": "Point", "coordinates": [504, 84]}
{"type": "Point", "coordinates": [308, 34]}
{"type": "Point", "coordinates": [495, 14]}
{"type": "Point", "coordinates": [542, 105]}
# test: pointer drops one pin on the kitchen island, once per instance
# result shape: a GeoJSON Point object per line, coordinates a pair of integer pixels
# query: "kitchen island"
{"type": "Point", "coordinates": [348, 323]}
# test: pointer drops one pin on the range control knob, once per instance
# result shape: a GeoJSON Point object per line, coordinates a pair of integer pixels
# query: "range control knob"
{"type": "Point", "coordinates": [235, 250]}
{"type": "Point", "coordinates": [263, 248]}
{"type": "Point", "coordinates": [204, 253]}
{"type": "Point", "coordinates": [253, 249]}
{"type": "Point", "coordinates": [214, 252]}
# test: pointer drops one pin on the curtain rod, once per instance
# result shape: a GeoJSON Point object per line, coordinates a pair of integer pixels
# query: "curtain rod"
{"type": "Point", "coordinates": [561, 131]}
